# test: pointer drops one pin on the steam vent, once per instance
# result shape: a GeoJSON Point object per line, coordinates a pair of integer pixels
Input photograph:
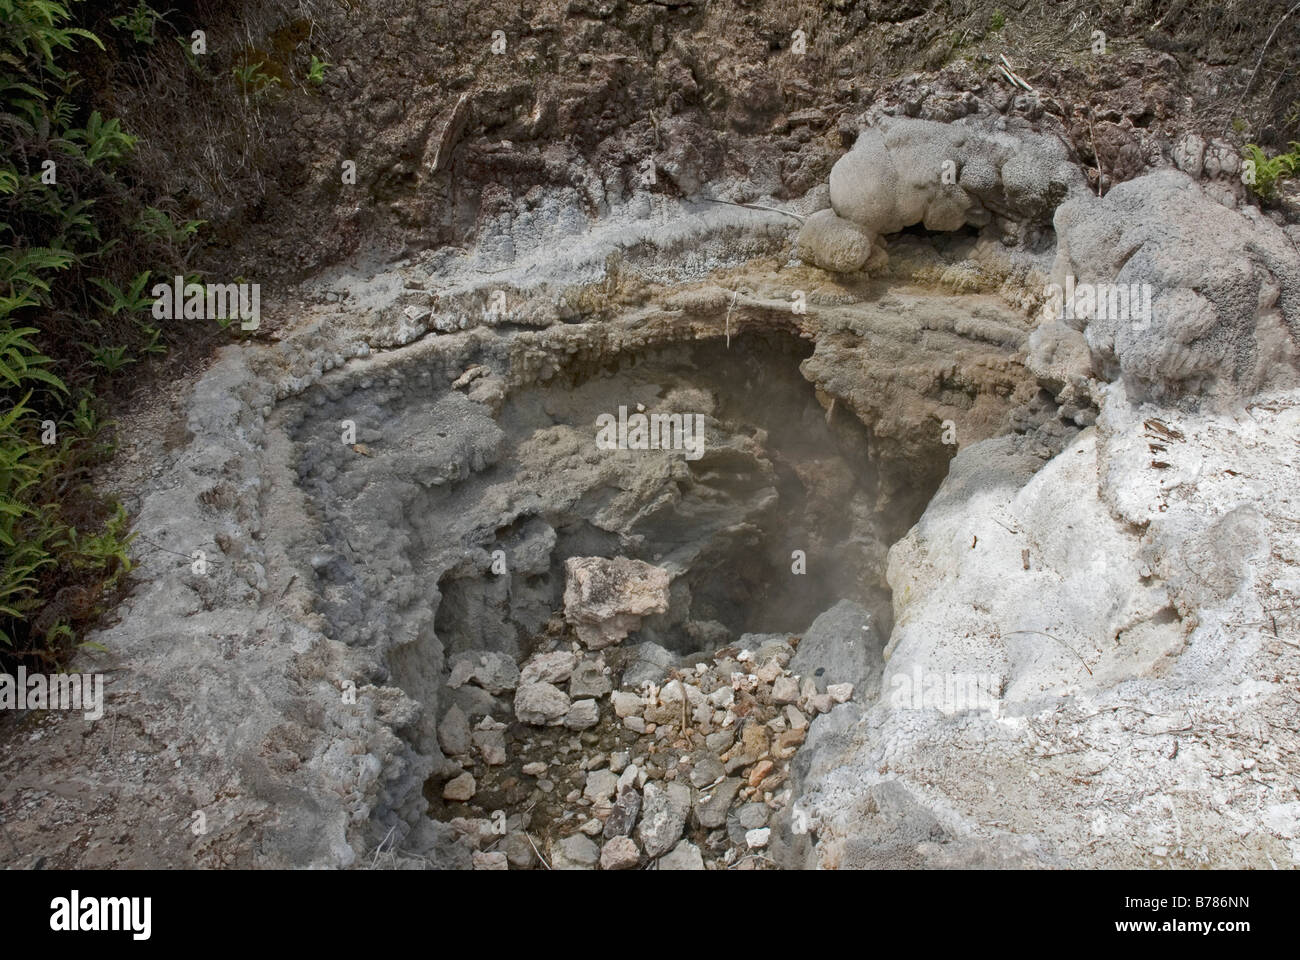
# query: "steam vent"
{"type": "Point", "coordinates": [676, 435]}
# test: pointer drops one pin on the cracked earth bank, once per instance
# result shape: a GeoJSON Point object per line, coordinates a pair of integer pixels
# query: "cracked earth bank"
{"type": "Point", "coordinates": [442, 625]}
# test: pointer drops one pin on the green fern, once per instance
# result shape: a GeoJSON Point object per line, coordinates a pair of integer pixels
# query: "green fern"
{"type": "Point", "coordinates": [253, 80]}
{"type": "Point", "coordinates": [316, 73]}
{"type": "Point", "coordinates": [140, 22]}
{"type": "Point", "coordinates": [160, 226]}
{"type": "Point", "coordinates": [109, 359]}
{"type": "Point", "coordinates": [131, 300]}
{"type": "Point", "coordinates": [103, 139]}
{"type": "Point", "coordinates": [52, 253]}
{"type": "Point", "coordinates": [1270, 171]}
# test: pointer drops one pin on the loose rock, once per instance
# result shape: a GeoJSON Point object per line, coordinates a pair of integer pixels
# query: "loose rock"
{"type": "Point", "coordinates": [711, 807]}
{"type": "Point", "coordinates": [605, 599]}
{"type": "Point", "coordinates": [574, 853]}
{"type": "Point", "coordinates": [494, 672]}
{"type": "Point", "coordinates": [601, 785]}
{"type": "Point", "coordinates": [622, 818]}
{"type": "Point", "coordinates": [751, 816]}
{"type": "Point", "coordinates": [540, 704]}
{"type": "Point", "coordinates": [490, 739]}
{"type": "Point", "coordinates": [553, 667]}
{"type": "Point", "coordinates": [627, 704]}
{"type": "Point", "coordinates": [663, 816]}
{"type": "Point", "coordinates": [582, 715]}
{"type": "Point", "coordinates": [454, 733]}
{"type": "Point", "coordinates": [620, 853]}
{"type": "Point", "coordinates": [589, 680]}
{"type": "Point", "coordinates": [459, 788]}
{"type": "Point", "coordinates": [519, 851]}
{"type": "Point", "coordinates": [785, 690]}
{"type": "Point", "coordinates": [684, 856]}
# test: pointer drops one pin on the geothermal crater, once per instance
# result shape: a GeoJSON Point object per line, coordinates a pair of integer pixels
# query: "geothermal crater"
{"type": "Point", "coordinates": [447, 624]}
{"type": "Point", "coordinates": [771, 515]}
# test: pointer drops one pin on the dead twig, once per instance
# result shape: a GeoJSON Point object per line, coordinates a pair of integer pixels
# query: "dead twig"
{"type": "Point", "coordinates": [1013, 76]}
{"type": "Point", "coordinates": [728, 320]}
{"type": "Point", "coordinates": [188, 557]}
{"type": "Point", "coordinates": [536, 851]}
{"type": "Point", "coordinates": [1058, 640]}
{"type": "Point", "coordinates": [379, 849]}
{"type": "Point", "coordinates": [755, 206]}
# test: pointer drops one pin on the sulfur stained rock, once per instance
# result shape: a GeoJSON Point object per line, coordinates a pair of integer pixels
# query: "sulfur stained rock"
{"type": "Point", "coordinates": [619, 853]}
{"type": "Point", "coordinates": [605, 599]}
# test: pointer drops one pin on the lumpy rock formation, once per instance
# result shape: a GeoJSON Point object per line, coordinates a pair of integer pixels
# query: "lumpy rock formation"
{"type": "Point", "coordinates": [944, 176]}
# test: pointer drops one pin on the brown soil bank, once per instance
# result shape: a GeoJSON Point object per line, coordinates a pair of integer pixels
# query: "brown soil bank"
{"type": "Point", "coordinates": [443, 129]}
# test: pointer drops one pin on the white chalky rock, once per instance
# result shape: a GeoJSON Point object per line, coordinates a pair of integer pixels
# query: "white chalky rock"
{"type": "Point", "coordinates": [553, 667]}
{"type": "Point", "coordinates": [540, 704]}
{"type": "Point", "coordinates": [582, 715]}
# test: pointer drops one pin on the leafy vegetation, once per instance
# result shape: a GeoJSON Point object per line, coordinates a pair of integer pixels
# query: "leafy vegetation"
{"type": "Point", "coordinates": [140, 22]}
{"type": "Point", "coordinates": [1269, 171]}
{"type": "Point", "coordinates": [254, 81]}
{"type": "Point", "coordinates": [74, 311]}
{"type": "Point", "coordinates": [316, 73]}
